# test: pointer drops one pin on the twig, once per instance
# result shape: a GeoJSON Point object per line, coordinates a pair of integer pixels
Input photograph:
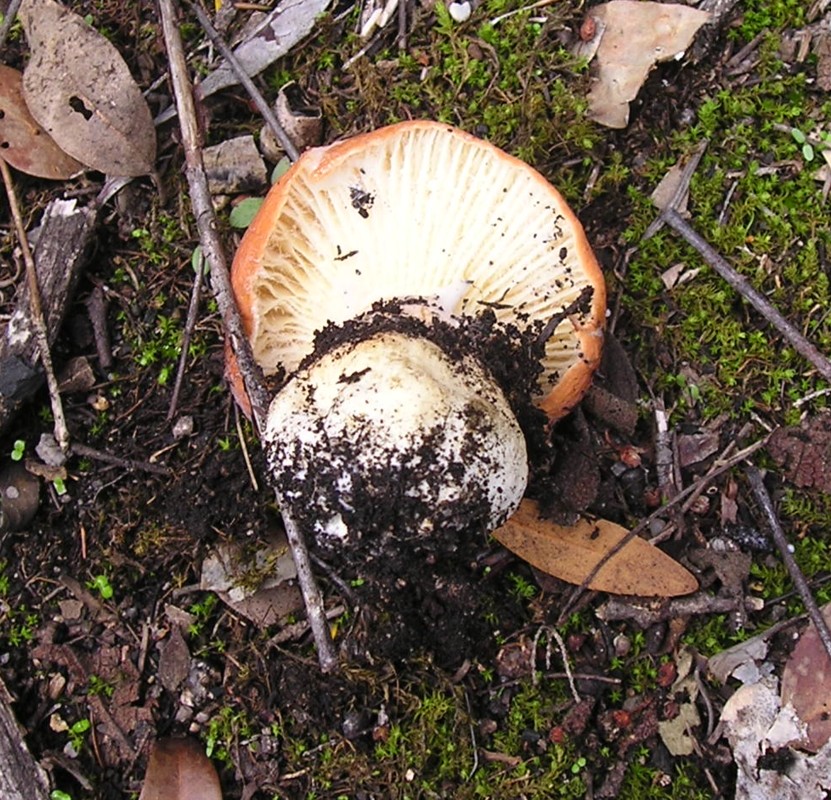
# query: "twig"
{"type": "Point", "coordinates": [38, 321]}
{"type": "Point", "coordinates": [82, 451]}
{"type": "Point", "coordinates": [221, 284]}
{"type": "Point", "coordinates": [245, 80]}
{"type": "Point", "coordinates": [754, 476]}
{"type": "Point", "coordinates": [744, 288]}
{"type": "Point", "coordinates": [97, 310]}
{"type": "Point", "coordinates": [190, 323]}
{"type": "Point", "coordinates": [717, 469]}
{"type": "Point", "coordinates": [681, 190]}
{"type": "Point", "coordinates": [11, 13]}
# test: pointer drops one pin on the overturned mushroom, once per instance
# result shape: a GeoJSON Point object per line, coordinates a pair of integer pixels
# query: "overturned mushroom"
{"type": "Point", "coordinates": [357, 282]}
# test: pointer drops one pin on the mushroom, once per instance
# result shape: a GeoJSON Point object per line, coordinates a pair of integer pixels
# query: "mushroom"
{"type": "Point", "coordinates": [358, 283]}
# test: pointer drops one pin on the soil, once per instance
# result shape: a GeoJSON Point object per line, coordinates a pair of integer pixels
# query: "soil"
{"type": "Point", "coordinates": [420, 616]}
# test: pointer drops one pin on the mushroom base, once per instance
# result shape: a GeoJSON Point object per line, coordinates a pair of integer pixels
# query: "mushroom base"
{"type": "Point", "coordinates": [387, 437]}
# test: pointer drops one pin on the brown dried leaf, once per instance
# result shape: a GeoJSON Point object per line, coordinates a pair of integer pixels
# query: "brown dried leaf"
{"type": "Point", "coordinates": [635, 36]}
{"type": "Point", "coordinates": [23, 143]}
{"type": "Point", "coordinates": [805, 682]}
{"type": "Point", "coordinates": [804, 452]}
{"type": "Point", "coordinates": [571, 553]}
{"type": "Point", "coordinates": [179, 770]}
{"type": "Point", "coordinates": [79, 89]}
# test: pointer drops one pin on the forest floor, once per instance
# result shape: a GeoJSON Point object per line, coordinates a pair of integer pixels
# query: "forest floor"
{"type": "Point", "coordinates": [461, 676]}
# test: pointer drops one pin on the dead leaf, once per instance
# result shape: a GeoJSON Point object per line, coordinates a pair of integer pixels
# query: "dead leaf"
{"type": "Point", "coordinates": [276, 34]}
{"type": "Point", "coordinates": [634, 37]}
{"type": "Point", "coordinates": [804, 452]}
{"type": "Point", "coordinates": [260, 585]}
{"type": "Point", "coordinates": [760, 731]}
{"type": "Point", "coordinates": [179, 770]}
{"type": "Point", "coordinates": [79, 89]}
{"type": "Point", "coordinates": [570, 553]}
{"type": "Point", "coordinates": [675, 732]}
{"type": "Point", "coordinates": [25, 145]}
{"type": "Point", "coordinates": [174, 660]}
{"type": "Point", "coordinates": [805, 682]}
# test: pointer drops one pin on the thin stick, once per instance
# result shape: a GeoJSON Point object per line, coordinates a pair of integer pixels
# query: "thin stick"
{"type": "Point", "coordinates": [221, 284]}
{"type": "Point", "coordinates": [744, 288]}
{"type": "Point", "coordinates": [82, 451]}
{"type": "Point", "coordinates": [36, 308]}
{"type": "Point", "coordinates": [190, 324]}
{"type": "Point", "coordinates": [754, 476]}
{"type": "Point", "coordinates": [245, 80]}
{"type": "Point", "coordinates": [8, 21]}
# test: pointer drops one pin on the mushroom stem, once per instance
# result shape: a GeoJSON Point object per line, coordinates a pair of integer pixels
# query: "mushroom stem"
{"type": "Point", "coordinates": [326, 655]}
{"type": "Point", "coordinates": [386, 436]}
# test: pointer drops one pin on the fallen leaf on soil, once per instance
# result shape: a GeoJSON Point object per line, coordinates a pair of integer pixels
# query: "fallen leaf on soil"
{"type": "Point", "coordinates": [633, 37]}
{"type": "Point", "coordinates": [25, 145]}
{"type": "Point", "coordinates": [179, 770]}
{"type": "Point", "coordinates": [744, 661]}
{"type": "Point", "coordinates": [804, 452]}
{"type": "Point", "coordinates": [675, 732]}
{"type": "Point", "coordinates": [571, 553]}
{"type": "Point", "coordinates": [805, 682]}
{"type": "Point", "coordinates": [760, 731]}
{"type": "Point", "coordinates": [272, 38]}
{"type": "Point", "coordinates": [260, 585]}
{"type": "Point", "coordinates": [79, 89]}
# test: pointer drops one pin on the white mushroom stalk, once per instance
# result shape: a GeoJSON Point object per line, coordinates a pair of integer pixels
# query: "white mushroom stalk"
{"type": "Point", "coordinates": [386, 432]}
{"type": "Point", "coordinates": [387, 435]}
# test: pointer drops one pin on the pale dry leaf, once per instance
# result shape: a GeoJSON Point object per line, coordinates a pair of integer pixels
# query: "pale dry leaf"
{"type": "Point", "coordinates": [756, 725]}
{"type": "Point", "coordinates": [276, 34]}
{"type": "Point", "coordinates": [179, 770]}
{"type": "Point", "coordinates": [805, 685]}
{"type": "Point", "coordinates": [24, 144]}
{"type": "Point", "coordinates": [635, 36]}
{"type": "Point", "coordinates": [79, 89]}
{"type": "Point", "coordinates": [570, 553]}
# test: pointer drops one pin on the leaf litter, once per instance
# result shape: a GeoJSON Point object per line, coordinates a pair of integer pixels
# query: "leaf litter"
{"type": "Point", "coordinates": [24, 144]}
{"type": "Point", "coordinates": [78, 87]}
{"type": "Point", "coordinates": [627, 426]}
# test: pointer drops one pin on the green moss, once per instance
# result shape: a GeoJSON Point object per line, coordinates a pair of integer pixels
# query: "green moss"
{"type": "Point", "coordinates": [751, 198]}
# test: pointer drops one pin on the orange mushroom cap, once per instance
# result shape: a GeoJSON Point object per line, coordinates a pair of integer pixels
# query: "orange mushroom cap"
{"type": "Point", "coordinates": [419, 209]}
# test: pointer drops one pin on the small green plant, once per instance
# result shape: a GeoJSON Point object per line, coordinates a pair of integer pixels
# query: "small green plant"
{"type": "Point", "coordinates": [522, 588]}
{"type": "Point", "coordinates": [77, 734]}
{"type": "Point", "coordinates": [202, 611]}
{"type": "Point", "coordinates": [98, 686]}
{"type": "Point", "coordinates": [57, 794]}
{"type": "Point", "coordinates": [101, 583]}
{"type": "Point", "coordinates": [18, 449]}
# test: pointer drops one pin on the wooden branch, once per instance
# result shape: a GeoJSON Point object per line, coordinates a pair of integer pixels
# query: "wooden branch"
{"type": "Point", "coordinates": [744, 288]}
{"type": "Point", "coordinates": [21, 777]}
{"type": "Point", "coordinates": [221, 284]}
{"type": "Point", "coordinates": [754, 476]}
{"type": "Point", "coordinates": [60, 255]}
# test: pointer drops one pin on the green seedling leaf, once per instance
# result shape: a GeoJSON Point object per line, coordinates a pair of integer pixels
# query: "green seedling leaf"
{"type": "Point", "coordinates": [280, 169]}
{"type": "Point", "coordinates": [244, 212]}
{"type": "Point", "coordinates": [198, 260]}
{"type": "Point", "coordinates": [807, 152]}
{"type": "Point", "coordinates": [102, 584]}
{"type": "Point", "coordinates": [798, 136]}
{"type": "Point", "coordinates": [18, 450]}
{"type": "Point", "coordinates": [57, 794]}
{"type": "Point", "coordinates": [60, 486]}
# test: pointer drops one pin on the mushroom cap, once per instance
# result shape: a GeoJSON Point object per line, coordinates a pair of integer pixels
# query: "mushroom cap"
{"type": "Point", "coordinates": [388, 436]}
{"type": "Point", "coordinates": [419, 209]}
